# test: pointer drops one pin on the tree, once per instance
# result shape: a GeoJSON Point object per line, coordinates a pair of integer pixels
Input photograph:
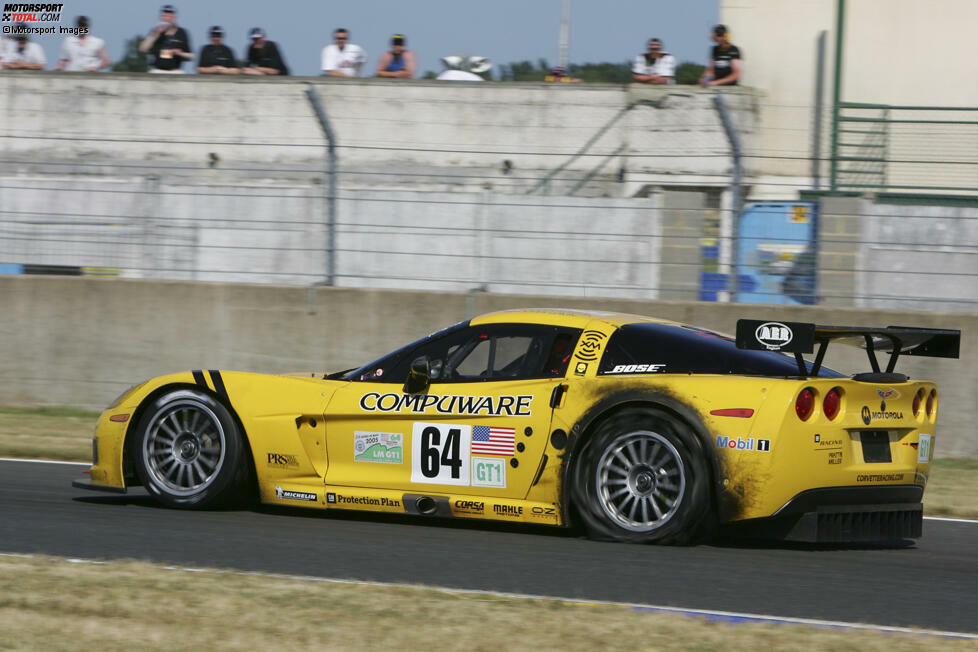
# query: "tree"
{"type": "Point", "coordinates": [613, 73]}
{"type": "Point", "coordinates": [689, 73]}
{"type": "Point", "coordinates": [133, 60]}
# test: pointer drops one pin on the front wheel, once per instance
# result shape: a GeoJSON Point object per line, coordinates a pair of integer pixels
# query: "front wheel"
{"type": "Point", "coordinates": [642, 477]}
{"type": "Point", "coordinates": [189, 452]}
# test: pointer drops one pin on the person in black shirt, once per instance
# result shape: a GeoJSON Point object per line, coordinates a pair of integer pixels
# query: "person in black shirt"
{"type": "Point", "coordinates": [263, 56]}
{"type": "Point", "coordinates": [217, 58]}
{"type": "Point", "coordinates": [724, 67]}
{"type": "Point", "coordinates": [169, 44]}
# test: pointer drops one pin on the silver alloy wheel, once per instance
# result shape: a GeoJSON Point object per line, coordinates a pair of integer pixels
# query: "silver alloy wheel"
{"type": "Point", "coordinates": [640, 480]}
{"type": "Point", "coordinates": [184, 447]}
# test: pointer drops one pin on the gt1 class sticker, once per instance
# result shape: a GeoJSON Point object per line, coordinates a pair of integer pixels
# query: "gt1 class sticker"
{"type": "Point", "coordinates": [744, 443]}
{"type": "Point", "coordinates": [383, 447]}
{"type": "Point", "coordinates": [923, 449]}
{"type": "Point", "coordinates": [494, 406]}
{"type": "Point", "coordinates": [773, 335]}
{"type": "Point", "coordinates": [440, 453]}
{"type": "Point", "coordinates": [489, 472]}
{"type": "Point", "coordinates": [636, 369]}
{"type": "Point", "coordinates": [288, 494]}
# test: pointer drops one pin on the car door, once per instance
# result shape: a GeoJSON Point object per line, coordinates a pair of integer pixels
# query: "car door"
{"type": "Point", "coordinates": [480, 428]}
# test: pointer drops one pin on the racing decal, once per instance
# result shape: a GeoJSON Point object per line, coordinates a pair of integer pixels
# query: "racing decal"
{"type": "Point", "coordinates": [590, 346]}
{"type": "Point", "coordinates": [835, 457]}
{"type": "Point", "coordinates": [218, 383]}
{"type": "Point", "coordinates": [884, 394]}
{"type": "Point", "coordinates": [923, 449]}
{"type": "Point", "coordinates": [879, 477]}
{"type": "Point", "coordinates": [544, 513]}
{"type": "Point", "coordinates": [827, 444]}
{"type": "Point", "coordinates": [636, 369]}
{"type": "Point", "coordinates": [469, 507]}
{"type": "Point", "coordinates": [282, 461]}
{"type": "Point", "coordinates": [288, 494]}
{"type": "Point", "coordinates": [508, 510]}
{"type": "Point", "coordinates": [773, 335]}
{"type": "Point", "coordinates": [580, 369]}
{"type": "Point", "coordinates": [333, 498]}
{"type": "Point", "coordinates": [869, 416]}
{"type": "Point", "coordinates": [440, 453]}
{"type": "Point", "coordinates": [489, 472]}
{"type": "Point", "coordinates": [494, 406]}
{"type": "Point", "coordinates": [744, 444]}
{"type": "Point", "coordinates": [383, 447]}
{"type": "Point", "coordinates": [493, 440]}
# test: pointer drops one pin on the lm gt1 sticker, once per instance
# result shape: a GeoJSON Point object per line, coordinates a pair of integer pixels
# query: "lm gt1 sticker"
{"type": "Point", "coordinates": [744, 444]}
{"type": "Point", "coordinates": [383, 447]}
{"type": "Point", "coordinates": [494, 406]}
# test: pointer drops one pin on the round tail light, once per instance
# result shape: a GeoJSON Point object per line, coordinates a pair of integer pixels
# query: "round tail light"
{"type": "Point", "coordinates": [832, 402]}
{"type": "Point", "coordinates": [931, 402]}
{"type": "Point", "coordinates": [805, 403]}
{"type": "Point", "coordinates": [918, 397]}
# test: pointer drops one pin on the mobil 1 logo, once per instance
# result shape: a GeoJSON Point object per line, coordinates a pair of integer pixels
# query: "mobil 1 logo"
{"type": "Point", "coordinates": [440, 453]}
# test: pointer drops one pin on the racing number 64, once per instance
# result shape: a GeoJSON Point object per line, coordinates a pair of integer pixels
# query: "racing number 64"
{"type": "Point", "coordinates": [440, 453]}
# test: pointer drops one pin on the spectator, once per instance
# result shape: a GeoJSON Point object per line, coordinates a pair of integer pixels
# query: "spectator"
{"type": "Point", "coordinates": [724, 67]}
{"type": "Point", "coordinates": [263, 56]}
{"type": "Point", "coordinates": [217, 58]}
{"type": "Point", "coordinates": [21, 53]}
{"type": "Point", "coordinates": [343, 59]}
{"type": "Point", "coordinates": [398, 62]}
{"type": "Point", "coordinates": [655, 66]}
{"type": "Point", "coordinates": [83, 52]}
{"type": "Point", "coordinates": [168, 43]}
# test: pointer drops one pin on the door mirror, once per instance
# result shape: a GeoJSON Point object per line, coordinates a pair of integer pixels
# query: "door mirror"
{"type": "Point", "coordinates": [419, 378]}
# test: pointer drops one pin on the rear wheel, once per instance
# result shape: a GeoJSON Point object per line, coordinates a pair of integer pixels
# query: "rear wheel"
{"type": "Point", "coordinates": [642, 477]}
{"type": "Point", "coordinates": [189, 452]}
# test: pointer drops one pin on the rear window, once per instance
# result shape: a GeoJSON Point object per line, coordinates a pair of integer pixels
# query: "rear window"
{"type": "Point", "coordinates": [671, 349]}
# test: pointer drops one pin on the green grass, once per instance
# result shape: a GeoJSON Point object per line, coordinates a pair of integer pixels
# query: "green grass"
{"type": "Point", "coordinates": [60, 433]}
{"type": "Point", "coordinates": [48, 603]}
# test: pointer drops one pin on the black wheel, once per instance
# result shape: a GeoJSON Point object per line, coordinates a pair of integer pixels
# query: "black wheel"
{"type": "Point", "coordinates": [189, 452]}
{"type": "Point", "coordinates": [643, 477]}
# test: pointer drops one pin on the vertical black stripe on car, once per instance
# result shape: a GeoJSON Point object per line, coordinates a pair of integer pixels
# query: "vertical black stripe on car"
{"type": "Point", "coordinates": [199, 378]}
{"type": "Point", "coordinates": [218, 383]}
{"type": "Point", "coordinates": [543, 465]}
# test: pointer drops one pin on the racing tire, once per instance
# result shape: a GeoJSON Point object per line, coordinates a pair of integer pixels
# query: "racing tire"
{"type": "Point", "coordinates": [643, 477]}
{"type": "Point", "coordinates": [189, 451]}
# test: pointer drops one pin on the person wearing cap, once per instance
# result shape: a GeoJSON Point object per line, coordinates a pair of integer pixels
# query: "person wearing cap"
{"type": "Point", "coordinates": [215, 57]}
{"type": "Point", "coordinates": [398, 62]}
{"type": "Point", "coordinates": [263, 56]}
{"type": "Point", "coordinates": [21, 53]}
{"type": "Point", "coordinates": [724, 68]}
{"type": "Point", "coordinates": [342, 58]}
{"type": "Point", "coordinates": [656, 66]}
{"type": "Point", "coordinates": [168, 43]}
{"type": "Point", "coordinates": [83, 52]}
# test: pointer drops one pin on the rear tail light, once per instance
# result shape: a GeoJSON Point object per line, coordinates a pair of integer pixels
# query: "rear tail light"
{"type": "Point", "coordinates": [805, 403]}
{"type": "Point", "coordinates": [931, 402]}
{"type": "Point", "coordinates": [918, 397]}
{"type": "Point", "coordinates": [832, 402]}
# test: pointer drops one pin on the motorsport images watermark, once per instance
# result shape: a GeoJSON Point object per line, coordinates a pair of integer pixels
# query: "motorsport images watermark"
{"type": "Point", "coordinates": [22, 15]}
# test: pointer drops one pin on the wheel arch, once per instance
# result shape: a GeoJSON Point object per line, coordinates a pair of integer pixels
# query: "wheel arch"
{"type": "Point", "coordinates": [606, 408]}
{"type": "Point", "coordinates": [128, 470]}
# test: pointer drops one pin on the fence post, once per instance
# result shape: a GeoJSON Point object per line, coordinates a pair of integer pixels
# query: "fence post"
{"type": "Point", "coordinates": [817, 126]}
{"type": "Point", "coordinates": [737, 192]}
{"type": "Point", "coordinates": [327, 128]}
{"type": "Point", "coordinates": [840, 11]}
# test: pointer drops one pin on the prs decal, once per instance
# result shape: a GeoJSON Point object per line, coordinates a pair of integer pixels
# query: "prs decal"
{"type": "Point", "coordinates": [496, 406]}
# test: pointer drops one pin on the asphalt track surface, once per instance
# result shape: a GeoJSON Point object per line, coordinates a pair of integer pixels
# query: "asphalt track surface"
{"type": "Point", "coordinates": [930, 584]}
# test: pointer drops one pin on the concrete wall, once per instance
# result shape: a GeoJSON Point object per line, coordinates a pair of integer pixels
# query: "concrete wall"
{"type": "Point", "coordinates": [78, 341]}
{"type": "Point", "coordinates": [900, 52]}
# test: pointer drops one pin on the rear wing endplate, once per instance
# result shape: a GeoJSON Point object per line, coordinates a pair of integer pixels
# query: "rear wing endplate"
{"type": "Point", "coordinates": [801, 337]}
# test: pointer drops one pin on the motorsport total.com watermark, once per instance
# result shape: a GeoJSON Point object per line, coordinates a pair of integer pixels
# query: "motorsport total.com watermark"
{"type": "Point", "coordinates": [28, 18]}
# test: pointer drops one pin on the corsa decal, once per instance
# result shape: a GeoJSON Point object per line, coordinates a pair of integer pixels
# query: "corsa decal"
{"type": "Point", "coordinates": [496, 406]}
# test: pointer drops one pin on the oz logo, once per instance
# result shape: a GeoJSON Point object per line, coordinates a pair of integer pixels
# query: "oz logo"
{"type": "Point", "coordinates": [773, 335]}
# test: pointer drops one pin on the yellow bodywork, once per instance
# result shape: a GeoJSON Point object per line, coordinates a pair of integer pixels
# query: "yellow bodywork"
{"type": "Point", "coordinates": [336, 444]}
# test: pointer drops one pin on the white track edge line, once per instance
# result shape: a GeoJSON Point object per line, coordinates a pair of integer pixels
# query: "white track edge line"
{"type": "Point", "coordinates": [949, 520]}
{"type": "Point", "coordinates": [760, 618]}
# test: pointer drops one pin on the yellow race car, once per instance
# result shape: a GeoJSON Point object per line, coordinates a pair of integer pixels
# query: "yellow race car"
{"type": "Point", "coordinates": [638, 429]}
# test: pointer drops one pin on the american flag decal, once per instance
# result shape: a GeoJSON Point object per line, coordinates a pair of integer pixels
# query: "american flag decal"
{"type": "Point", "coordinates": [491, 440]}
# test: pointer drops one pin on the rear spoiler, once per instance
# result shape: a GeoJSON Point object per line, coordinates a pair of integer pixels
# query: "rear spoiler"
{"type": "Point", "coordinates": [801, 337]}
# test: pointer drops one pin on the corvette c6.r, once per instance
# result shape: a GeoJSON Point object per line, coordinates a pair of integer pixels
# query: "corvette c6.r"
{"type": "Point", "coordinates": [638, 429]}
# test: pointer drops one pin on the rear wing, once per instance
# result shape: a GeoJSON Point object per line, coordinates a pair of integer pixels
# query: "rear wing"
{"type": "Point", "coordinates": [801, 337]}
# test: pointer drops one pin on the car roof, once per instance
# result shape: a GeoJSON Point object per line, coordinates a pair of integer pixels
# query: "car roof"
{"type": "Point", "coordinates": [563, 317]}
